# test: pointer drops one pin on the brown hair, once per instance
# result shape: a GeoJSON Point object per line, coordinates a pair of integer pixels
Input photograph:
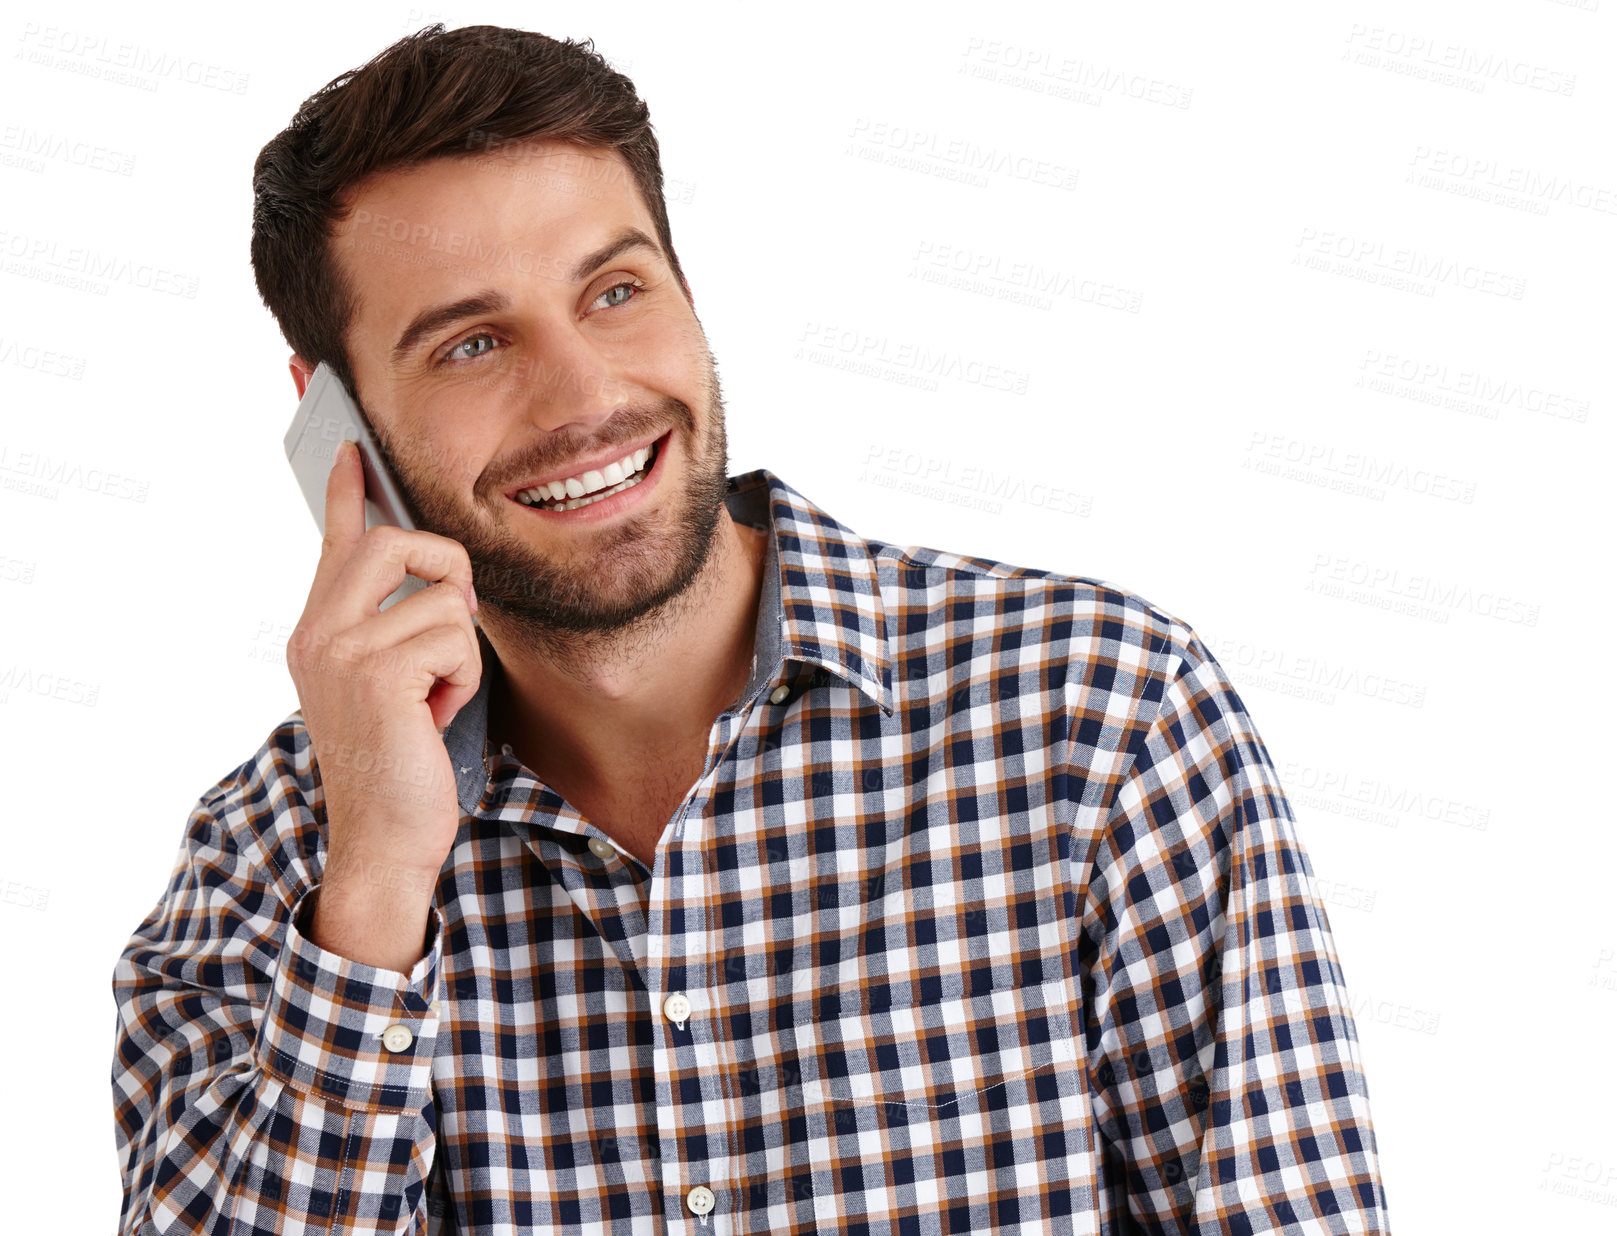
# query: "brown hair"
{"type": "Point", "coordinates": [432, 94]}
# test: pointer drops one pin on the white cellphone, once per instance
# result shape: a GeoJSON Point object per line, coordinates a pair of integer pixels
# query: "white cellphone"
{"type": "Point", "coordinates": [326, 415]}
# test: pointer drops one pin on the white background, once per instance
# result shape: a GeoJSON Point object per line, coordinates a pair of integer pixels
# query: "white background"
{"type": "Point", "coordinates": [1215, 354]}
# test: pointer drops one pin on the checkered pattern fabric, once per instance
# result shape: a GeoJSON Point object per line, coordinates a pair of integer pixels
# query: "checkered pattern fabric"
{"type": "Point", "coordinates": [988, 912]}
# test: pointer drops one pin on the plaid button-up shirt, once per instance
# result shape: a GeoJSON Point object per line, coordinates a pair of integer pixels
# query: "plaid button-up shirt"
{"type": "Point", "coordinates": [987, 914]}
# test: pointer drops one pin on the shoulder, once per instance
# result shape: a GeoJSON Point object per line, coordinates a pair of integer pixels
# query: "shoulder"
{"type": "Point", "coordinates": [1102, 626]}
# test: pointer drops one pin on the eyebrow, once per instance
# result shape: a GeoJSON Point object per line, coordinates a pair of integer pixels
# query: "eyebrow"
{"type": "Point", "coordinates": [491, 300]}
{"type": "Point", "coordinates": [628, 238]}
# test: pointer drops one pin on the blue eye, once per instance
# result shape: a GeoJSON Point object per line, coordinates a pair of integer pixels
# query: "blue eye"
{"type": "Point", "coordinates": [458, 350]}
{"type": "Point", "coordinates": [612, 300]}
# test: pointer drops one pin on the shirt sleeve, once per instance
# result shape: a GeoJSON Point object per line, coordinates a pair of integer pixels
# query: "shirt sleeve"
{"type": "Point", "coordinates": [1224, 1064]}
{"type": "Point", "coordinates": [252, 1087]}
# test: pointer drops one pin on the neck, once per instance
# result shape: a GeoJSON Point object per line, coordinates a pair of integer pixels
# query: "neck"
{"type": "Point", "coordinates": [603, 705]}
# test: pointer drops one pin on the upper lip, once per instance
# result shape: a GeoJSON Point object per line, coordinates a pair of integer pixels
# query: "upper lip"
{"type": "Point", "coordinates": [611, 455]}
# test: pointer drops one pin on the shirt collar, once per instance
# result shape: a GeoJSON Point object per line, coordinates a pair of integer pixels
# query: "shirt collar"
{"type": "Point", "coordinates": [821, 603]}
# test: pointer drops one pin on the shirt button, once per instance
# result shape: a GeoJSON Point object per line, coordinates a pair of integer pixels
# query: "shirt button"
{"type": "Point", "coordinates": [436, 1006]}
{"type": "Point", "coordinates": [601, 847]}
{"type": "Point", "coordinates": [677, 1008]}
{"type": "Point", "coordinates": [700, 1200]}
{"type": "Point", "coordinates": [779, 694]}
{"type": "Point", "coordinates": [397, 1038]}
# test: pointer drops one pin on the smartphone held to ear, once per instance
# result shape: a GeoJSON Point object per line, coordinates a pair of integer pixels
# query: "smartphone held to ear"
{"type": "Point", "coordinates": [327, 415]}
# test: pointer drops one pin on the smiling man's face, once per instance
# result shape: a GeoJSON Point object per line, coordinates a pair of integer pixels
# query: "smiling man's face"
{"type": "Point", "coordinates": [516, 322]}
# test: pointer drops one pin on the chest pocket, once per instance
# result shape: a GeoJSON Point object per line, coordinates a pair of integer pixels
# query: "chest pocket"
{"type": "Point", "coordinates": [955, 1114]}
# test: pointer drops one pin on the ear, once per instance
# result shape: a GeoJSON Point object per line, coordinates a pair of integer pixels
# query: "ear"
{"type": "Point", "coordinates": [302, 371]}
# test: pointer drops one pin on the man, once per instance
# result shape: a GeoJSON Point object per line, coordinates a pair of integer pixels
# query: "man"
{"type": "Point", "coordinates": [741, 874]}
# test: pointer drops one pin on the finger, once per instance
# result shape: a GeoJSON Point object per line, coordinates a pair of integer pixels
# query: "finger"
{"type": "Point", "coordinates": [377, 565]}
{"type": "Point", "coordinates": [345, 503]}
{"type": "Point", "coordinates": [441, 670]}
{"type": "Point", "coordinates": [440, 605]}
{"type": "Point", "coordinates": [445, 699]}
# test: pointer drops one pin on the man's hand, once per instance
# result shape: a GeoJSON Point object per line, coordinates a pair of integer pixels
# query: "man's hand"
{"type": "Point", "coordinates": [376, 687]}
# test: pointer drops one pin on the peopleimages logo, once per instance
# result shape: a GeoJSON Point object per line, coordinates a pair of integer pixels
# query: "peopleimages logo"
{"type": "Point", "coordinates": [26, 680]}
{"type": "Point", "coordinates": [1371, 260]}
{"type": "Point", "coordinates": [121, 62]}
{"type": "Point", "coordinates": [915, 148]}
{"type": "Point", "coordinates": [1066, 77]}
{"type": "Point", "coordinates": [1419, 55]}
{"type": "Point", "coordinates": [1458, 389]}
{"type": "Point", "coordinates": [1277, 669]}
{"type": "Point", "coordinates": [871, 354]}
{"type": "Point", "coordinates": [1383, 800]}
{"type": "Point", "coordinates": [41, 258]}
{"type": "Point", "coordinates": [40, 360]}
{"type": "Point", "coordinates": [1362, 466]}
{"type": "Point", "coordinates": [1023, 282]}
{"type": "Point", "coordinates": [41, 470]}
{"type": "Point", "coordinates": [1510, 181]}
{"type": "Point", "coordinates": [1346, 578]}
{"type": "Point", "coordinates": [972, 484]}
{"type": "Point", "coordinates": [32, 149]}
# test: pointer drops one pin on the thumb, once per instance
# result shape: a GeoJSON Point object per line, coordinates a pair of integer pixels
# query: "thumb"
{"type": "Point", "coordinates": [345, 501]}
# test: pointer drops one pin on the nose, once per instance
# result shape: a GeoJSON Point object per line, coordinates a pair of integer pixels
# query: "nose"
{"type": "Point", "coordinates": [570, 381]}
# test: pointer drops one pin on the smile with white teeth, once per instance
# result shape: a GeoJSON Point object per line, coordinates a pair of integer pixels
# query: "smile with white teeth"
{"type": "Point", "coordinates": [592, 486]}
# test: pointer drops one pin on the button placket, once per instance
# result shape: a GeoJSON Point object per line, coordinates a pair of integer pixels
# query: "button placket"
{"type": "Point", "coordinates": [693, 1150]}
{"type": "Point", "coordinates": [695, 1053]}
